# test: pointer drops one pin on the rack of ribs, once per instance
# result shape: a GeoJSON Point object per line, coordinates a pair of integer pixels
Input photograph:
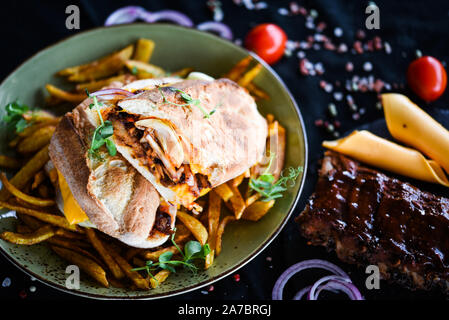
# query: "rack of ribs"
{"type": "Point", "coordinates": [370, 218]}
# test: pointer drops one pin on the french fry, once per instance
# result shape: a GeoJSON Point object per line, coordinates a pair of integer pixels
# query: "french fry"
{"type": "Point", "coordinates": [27, 172]}
{"type": "Point", "coordinates": [144, 70]}
{"type": "Point", "coordinates": [144, 50]}
{"type": "Point", "coordinates": [154, 255]}
{"type": "Point", "coordinates": [213, 217]}
{"type": "Point", "coordinates": [97, 85]}
{"type": "Point", "coordinates": [14, 142]}
{"type": "Point", "coordinates": [30, 222]}
{"type": "Point", "coordinates": [138, 262]}
{"type": "Point", "coordinates": [224, 191]}
{"type": "Point", "coordinates": [238, 180]}
{"type": "Point", "coordinates": [36, 141]}
{"type": "Point", "coordinates": [197, 229]}
{"type": "Point", "coordinates": [43, 216]}
{"type": "Point", "coordinates": [39, 116]}
{"type": "Point", "coordinates": [37, 125]}
{"type": "Point", "coordinates": [236, 202]}
{"type": "Point", "coordinates": [275, 146]}
{"type": "Point", "coordinates": [27, 198]}
{"type": "Point", "coordinates": [182, 233]}
{"type": "Point", "coordinates": [65, 95]}
{"type": "Point", "coordinates": [131, 252]}
{"type": "Point", "coordinates": [9, 163]}
{"type": "Point", "coordinates": [22, 228]}
{"type": "Point", "coordinates": [134, 276]}
{"type": "Point", "coordinates": [69, 235]}
{"type": "Point", "coordinates": [209, 260]}
{"type": "Point", "coordinates": [101, 68]}
{"type": "Point", "coordinates": [110, 262]}
{"type": "Point", "coordinates": [87, 265]}
{"type": "Point", "coordinates": [257, 210]}
{"type": "Point", "coordinates": [28, 239]}
{"type": "Point", "coordinates": [158, 278]}
{"type": "Point", "coordinates": [71, 244]}
{"type": "Point", "coordinates": [184, 72]}
{"type": "Point", "coordinates": [43, 191]}
{"type": "Point", "coordinates": [251, 199]}
{"type": "Point", "coordinates": [257, 92]}
{"type": "Point", "coordinates": [235, 73]}
{"type": "Point", "coordinates": [38, 179]}
{"type": "Point", "coordinates": [220, 231]}
{"type": "Point", "coordinates": [250, 75]}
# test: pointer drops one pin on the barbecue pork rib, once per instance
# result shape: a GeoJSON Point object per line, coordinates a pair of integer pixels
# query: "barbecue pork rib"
{"type": "Point", "coordinates": [370, 218]}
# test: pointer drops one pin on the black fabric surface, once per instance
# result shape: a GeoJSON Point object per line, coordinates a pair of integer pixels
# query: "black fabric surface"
{"type": "Point", "coordinates": [29, 26]}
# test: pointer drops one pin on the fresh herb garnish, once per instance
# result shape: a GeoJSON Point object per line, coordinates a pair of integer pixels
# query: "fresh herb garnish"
{"type": "Point", "coordinates": [103, 133]}
{"type": "Point", "coordinates": [189, 101]}
{"type": "Point", "coordinates": [134, 70]}
{"type": "Point", "coordinates": [193, 250]}
{"type": "Point", "coordinates": [268, 188]}
{"type": "Point", "coordinates": [15, 112]}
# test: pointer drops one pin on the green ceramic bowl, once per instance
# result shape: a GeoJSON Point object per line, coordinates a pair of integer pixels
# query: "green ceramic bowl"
{"type": "Point", "coordinates": [176, 47]}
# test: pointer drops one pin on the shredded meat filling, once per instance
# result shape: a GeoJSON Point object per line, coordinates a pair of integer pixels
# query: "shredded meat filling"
{"type": "Point", "coordinates": [148, 150]}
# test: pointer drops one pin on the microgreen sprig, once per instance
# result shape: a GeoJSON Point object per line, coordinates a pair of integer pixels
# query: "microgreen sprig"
{"type": "Point", "coordinates": [189, 101]}
{"type": "Point", "coordinates": [14, 117]}
{"type": "Point", "coordinates": [268, 188]}
{"type": "Point", "coordinates": [193, 250]}
{"type": "Point", "coordinates": [103, 133]}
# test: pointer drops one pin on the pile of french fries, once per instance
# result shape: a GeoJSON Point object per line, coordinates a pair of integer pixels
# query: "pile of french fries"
{"type": "Point", "coordinates": [31, 191]}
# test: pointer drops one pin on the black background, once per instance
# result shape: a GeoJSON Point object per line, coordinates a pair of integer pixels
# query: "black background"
{"type": "Point", "coordinates": [29, 26]}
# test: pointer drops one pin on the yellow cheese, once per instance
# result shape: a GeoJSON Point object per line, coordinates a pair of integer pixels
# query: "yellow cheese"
{"type": "Point", "coordinates": [378, 152]}
{"type": "Point", "coordinates": [72, 211]}
{"type": "Point", "coordinates": [411, 125]}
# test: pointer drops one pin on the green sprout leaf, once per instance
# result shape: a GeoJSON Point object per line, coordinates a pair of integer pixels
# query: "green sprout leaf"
{"type": "Point", "coordinates": [103, 133]}
{"type": "Point", "coordinates": [268, 188]}
{"type": "Point", "coordinates": [14, 116]}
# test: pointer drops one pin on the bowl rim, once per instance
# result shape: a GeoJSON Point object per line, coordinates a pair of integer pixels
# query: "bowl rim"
{"type": "Point", "coordinates": [222, 275]}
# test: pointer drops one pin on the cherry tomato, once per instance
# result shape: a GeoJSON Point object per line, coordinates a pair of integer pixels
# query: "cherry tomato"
{"type": "Point", "coordinates": [268, 41]}
{"type": "Point", "coordinates": [427, 78]}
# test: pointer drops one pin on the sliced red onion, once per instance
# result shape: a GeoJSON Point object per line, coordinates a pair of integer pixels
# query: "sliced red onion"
{"type": "Point", "coordinates": [301, 293]}
{"type": "Point", "coordinates": [125, 15]}
{"type": "Point", "coordinates": [312, 296]}
{"type": "Point", "coordinates": [169, 15]}
{"type": "Point", "coordinates": [346, 287]}
{"type": "Point", "coordinates": [220, 28]}
{"type": "Point", "coordinates": [304, 265]}
{"type": "Point", "coordinates": [112, 94]}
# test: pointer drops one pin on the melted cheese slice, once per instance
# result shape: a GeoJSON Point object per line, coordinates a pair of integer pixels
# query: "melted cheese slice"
{"type": "Point", "coordinates": [381, 153]}
{"type": "Point", "coordinates": [411, 125]}
{"type": "Point", "coordinates": [72, 211]}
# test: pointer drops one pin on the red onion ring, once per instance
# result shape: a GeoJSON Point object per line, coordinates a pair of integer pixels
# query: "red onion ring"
{"type": "Point", "coordinates": [223, 30]}
{"type": "Point", "coordinates": [132, 13]}
{"type": "Point", "coordinates": [312, 296]}
{"type": "Point", "coordinates": [125, 15]}
{"type": "Point", "coordinates": [112, 94]}
{"type": "Point", "coordinates": [348, 288]}
{"type": "Point", "coordinates": [304, 265]}
{"type": "Point", "coordinates": [170, 15]}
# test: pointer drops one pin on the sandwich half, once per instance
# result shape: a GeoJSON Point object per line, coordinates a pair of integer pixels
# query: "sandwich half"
{"type": "Point", "coordinates": [189, 136]}
{"type": "Point", "coordinates": [116, 199]}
